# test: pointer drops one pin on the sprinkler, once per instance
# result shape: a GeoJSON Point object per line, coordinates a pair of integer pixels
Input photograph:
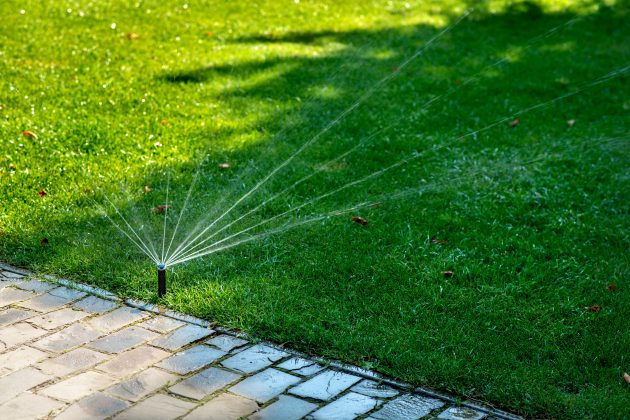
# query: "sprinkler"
{"type": "Point", "coordinates": [161, 271]}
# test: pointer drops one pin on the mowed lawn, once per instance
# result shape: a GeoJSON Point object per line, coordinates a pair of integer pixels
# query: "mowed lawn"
{"type": "Point", "coordinates": [502, 274]}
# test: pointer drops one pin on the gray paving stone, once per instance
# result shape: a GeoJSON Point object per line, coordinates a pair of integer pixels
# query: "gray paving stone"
{"type": "Point", "coordinates": [374, 389]}
{"type": "Point", "coordinates": [19, 381]}
{"type": "Point", "coordinates": [223, 407]}
{"type": "Point", "coordinates": [122, 340]}
{"type": "Point", "coordinates": [286, 408]}
{"type": "Point", "coordinates": [142, 384]}
{"type": "Point", "coordinates": [301, 366]}
{"type": "Point", "coordinates": [73, 361]}
{"type": "Point", "coordinates": [35, 286]}
{"type": "Point", "coordinates": [264, 385]}
{"type": "Point", "coordinates": [95, 305]}
{"type": "Point", "coordinates": [55, 319]}
{"type": "Point", "coordinates": [10, 295]}
{"type": "Point", "coordinates": [45, 302]}
{"type": "Point", "coordinates": [133, 360]}
{"type": "Point", "coordinates": [77, 387]}
{"type": "Point", "coordinates": [254, 358]}
{"type": "Point", "coordinates": [347, 407]}
{"type": "Point", "coordinates": [161, 324]}
{"type": "Point", "coordinates": [325, 386]}
{"type": "Point", "coordinates": [159, 406]}
{"type": "Point", "coordinates": [16, 334]}
{"type": "Point", "coordinates": [204, 383]}
{"type": "Point", "coordinates": [181, 336]}
{"type": "Point", "coordinates": [461, 413]}
{"type": "Point", "coordinates": [20, 358]}
{"type": "Point", "coordinates": [407, 407]}
{"type": "Point", "coordinates": [226, 342]}
{"type": "Point", "coordinates": [94, 407]}
{"type": "Point", "coordinates": [11, 275]}
{"type": "Point", "coordinates": [191, 359]}
{"type": "Point", "coordinates": [72, 336]}
{"type": "Point", "coordinates": [28, 406]}
{"type": "Point", "coordinates": [67, 293]}
{"type": "Point", "coordinates": [13, 315]}
{"type": "Point", "coordinates": [118, 318]}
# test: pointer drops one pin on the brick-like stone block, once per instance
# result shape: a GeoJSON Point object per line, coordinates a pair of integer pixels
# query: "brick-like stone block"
{"type": "Point", "coordinates": [254, 358]}
{"type": "Point", "coordinates": [45, 302]}
{"type": "Point", "coordinates": [117, 319]}
{"type": "Point", "coordinates": [95, 305]}
{"type": "Point", "coordinates": [122, 340]}
{"type": "Point", "coordinates": [348, 407]}
{"type": "Point", "coordinates": [227, 343]}
{"type": "Point", "coordinates": [301, 366]}
{"type": "Point", "coordinates": [19, 381]}
{"type": "Point", "coordinates": [20, 358]}
{"type": "Point", "coordinates": [286, 408]}
{"type": "Point", "coordinates": [374, 389]}
{"type": "Point", "coordinates": [133, 360]}
{"type": "Point", "coordinates": [204, 383]}
{"type": "Point", "coordinates": [461, 413]}
{"type": "Point", "coordinates": [159, 406]}
{"type": "Point", "coordinates": [191, 359]}
{"type": "Point", "coordinates": [28, 406]}
{"type": "Point", "coordinates": [69, 337]}
{"type": "Point", "coordinates": [16, 334]}
{"type": "Point", "coordinates": [55, 319]}
{"type": "Point", "coordinates": [407, 407]}
{"type": "Point", "coordinates": [73, 361]}
{"type": "Point", "coordinates": [10, 295]}
{"type": "Point", "coordinates": [13, 315]}
{"type": "Point", "coordinates": [265, 385]}
{"type": "Point", "coordinates": [224, 407]}
{"type": "Point", "coordinates": [142, 384]}
{"type": "Point", "coordinates": [181, 336]}
{"type": "Point", "coordinates": [325, 386]}
{"type": "Point", "coordinates": [77, 387]}
{"type": "Point", "coordinates": [94, 407]}
{"type": "Point", "coordinates": [67, 293]}
{"type": "Point", "coordinates": [161, 324]}
{"type": "Point", "coordinates": [35, 286]}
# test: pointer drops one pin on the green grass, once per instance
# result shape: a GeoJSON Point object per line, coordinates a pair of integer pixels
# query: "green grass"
{"type": "Point", "coordinates": [530, 245]}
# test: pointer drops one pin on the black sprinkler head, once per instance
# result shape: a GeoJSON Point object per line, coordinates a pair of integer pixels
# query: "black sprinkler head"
{"type": "Point", "coordinates": [161, 267]}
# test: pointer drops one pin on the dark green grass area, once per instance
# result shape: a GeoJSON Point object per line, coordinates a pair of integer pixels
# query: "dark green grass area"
{"type": "Point", "coordinates": [535, 215]}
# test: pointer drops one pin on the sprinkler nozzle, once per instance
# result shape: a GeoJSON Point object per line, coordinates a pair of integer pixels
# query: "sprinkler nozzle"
{"type": "Point", "coordinates": [161, 267]}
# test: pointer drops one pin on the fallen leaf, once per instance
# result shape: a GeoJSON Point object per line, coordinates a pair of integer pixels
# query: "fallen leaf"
{"type": "Point", "coordinates": [131, 35]}
{"type": "Point", "coordinates": [42, 193]}
{"type": "Point", "coordinates": [359, 220]}
{"type": "Point", "coordinates": [157, 144]}
{"type": "Point", "coordinates": [147, 189]}
{"type": "Point", "coordinates": [208, 34]}
{"type": "Point", "coordinates": [593, 308]}
{"type": "Point", "coordinates": [447, 274]}
{"type": "Point", "coordinates": [224, 166]}
{"type": "Point", "coordinates": [87, 190]}
{"type": "Point", "coordinates": [571, 123]}
{"type": "Point", "coordinates": [29, 134]}
{"type": "Point", "coordinates": [43, 242]}
{"type": "Point", "coordinates": [626, 377]}
{"type": "Point", "coordinates": [515, 122]}
{"type": "Point", "coordinates": [612, 287]}
{"type": "Point", "coordinates": [438, 241]}
{"type": "Point", "coordinates": [164, 122]}
{"type": "Point", "coordinates": [162, 208]}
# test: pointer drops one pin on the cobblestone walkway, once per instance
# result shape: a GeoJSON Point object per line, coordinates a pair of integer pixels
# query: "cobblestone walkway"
{"type": "Point", "coordinates": [80, 353]}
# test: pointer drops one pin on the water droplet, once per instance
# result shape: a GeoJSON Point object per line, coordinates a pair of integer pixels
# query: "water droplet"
{"type": "Point", "coordinates": [22, 11]}
{"type": "Point", "coordinates": [113, 26]}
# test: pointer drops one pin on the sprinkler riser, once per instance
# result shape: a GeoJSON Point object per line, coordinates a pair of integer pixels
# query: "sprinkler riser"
{"type": "Point", "coordinates": [161, 281]}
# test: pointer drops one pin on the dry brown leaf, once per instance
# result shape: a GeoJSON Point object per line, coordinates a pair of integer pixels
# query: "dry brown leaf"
{"type": "Point", "coordinates": [29, 134]}
{"type": "Point", "coordinates": [42, 193]}
{"type": "Point", "coordinates": [164, 122]}
{"type": "Point", "coordinates": [447, 274]}
{"type": "Point", "coordinates": [515, 122]}
{"type": "Point", "coordinates": [359, 220]}
{"type": "Point", "coordinates": [43, 242]}
{"type": "Point", "coordinates": [612, 287]}
{"type": "Point", "coordinates": [438, 241]}
{"type": "Point", "coordinates": [162, 208]}
{"type": "Point", "coordinates": [208, 34]}
{"type": "Point", "coordinates": [132, 35]}
{"type": "Point", "coordinates": [87, 190]}
{"type": "Point", "coordinates": [224, 166]}
{"type": "Point", "coordinates": [594, 308]}
{"type": "Point", "coordinates": [626, 377]}
{"type": "Point", "coordinates": [147, 189]}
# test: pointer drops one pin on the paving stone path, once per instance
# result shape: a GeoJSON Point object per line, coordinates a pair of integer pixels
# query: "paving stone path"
{"type": "Point", "coordinates": [80, 353]}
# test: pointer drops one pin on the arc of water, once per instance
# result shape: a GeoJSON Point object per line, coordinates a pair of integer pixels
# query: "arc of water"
{"type": "Point", "coordinates": [608, 76]}
{"type": "Point", "coordinates": [168, 182]}
{"type": "Point", "coordinates": [342, 115]}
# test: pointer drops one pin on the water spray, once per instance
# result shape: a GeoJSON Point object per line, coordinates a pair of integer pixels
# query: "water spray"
{"type": "Point", "coordinates": [161, 272]}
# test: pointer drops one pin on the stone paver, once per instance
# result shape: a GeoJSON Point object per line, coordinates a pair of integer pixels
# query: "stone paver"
{"type": "Point", "coordinates": [28, 406]}
{"type": "Point", "coordinates": [10, 275]}
{"type": "Point", "coordinates": [374, 389]}
{"type": "Point", "coordinates": [133, 360]}
{"type": "Point", "coordinates": [226, 342]}
{"type": "Point", "coordinates": [21, 380]}
{"type": "Point", "coordinates": [142, 384]}
{"type": "Point", "coordinates": [19, 358]}
{"type": "Point", "coordinates": [461, 413]}
{"type": "Point", "coordinates": [73, 361]}
{"type": "Point", "coordinates": [122, 340]}
{"type": "Point", "coordinates": [265, 385]}
{"type": "Point", "coordinates": [94, 407]}
{"type": "Point", "coordinates": [10, 295]}
{"type": "Point", "coordinates": [192, 359]}
{"type": "Point", "coordinates": [407, 407]}
{"type": "Point", "coordinates": [54, 320]}
{"type": "Point", "coordinates": [159, 406]}
{"type": "Point", "coordinates": [161, 324]}
{"type": "Point", "coordinates": [45, 302]}
{"type": "Point", "coordinates": [325, 386]}
{"type": "Point", "coordinates": [118, 318]}
{"type": "Point", "coordinates": [286, 408]}
{"type": "Point", "coordinates": [70, 294]}
{"type": "Point", "coordinates": [72, 336]}
{"type": "Point", "coordinates": [16, 334]}
{"type": "Point", "coordinates": [204, 383]}
{"type": "Point", "coordinates": [35, 286]}
{"type": "Point", "coordinates": [301, 366]}
{"type": "Point", "coordinates": [95, 305]}
{"type": "Point", "coordinates": [13, 315]}
{"type": "Point", "coordinates": [347, 407]}
{"type": "Point", "coordinates": [224, 407]}
{"type": "Point", "coordinates": [181, 337]}
{"type": "Point", "coordinates": [78, 386]}
{"type": "Point", "coordinates": [254, 358]}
